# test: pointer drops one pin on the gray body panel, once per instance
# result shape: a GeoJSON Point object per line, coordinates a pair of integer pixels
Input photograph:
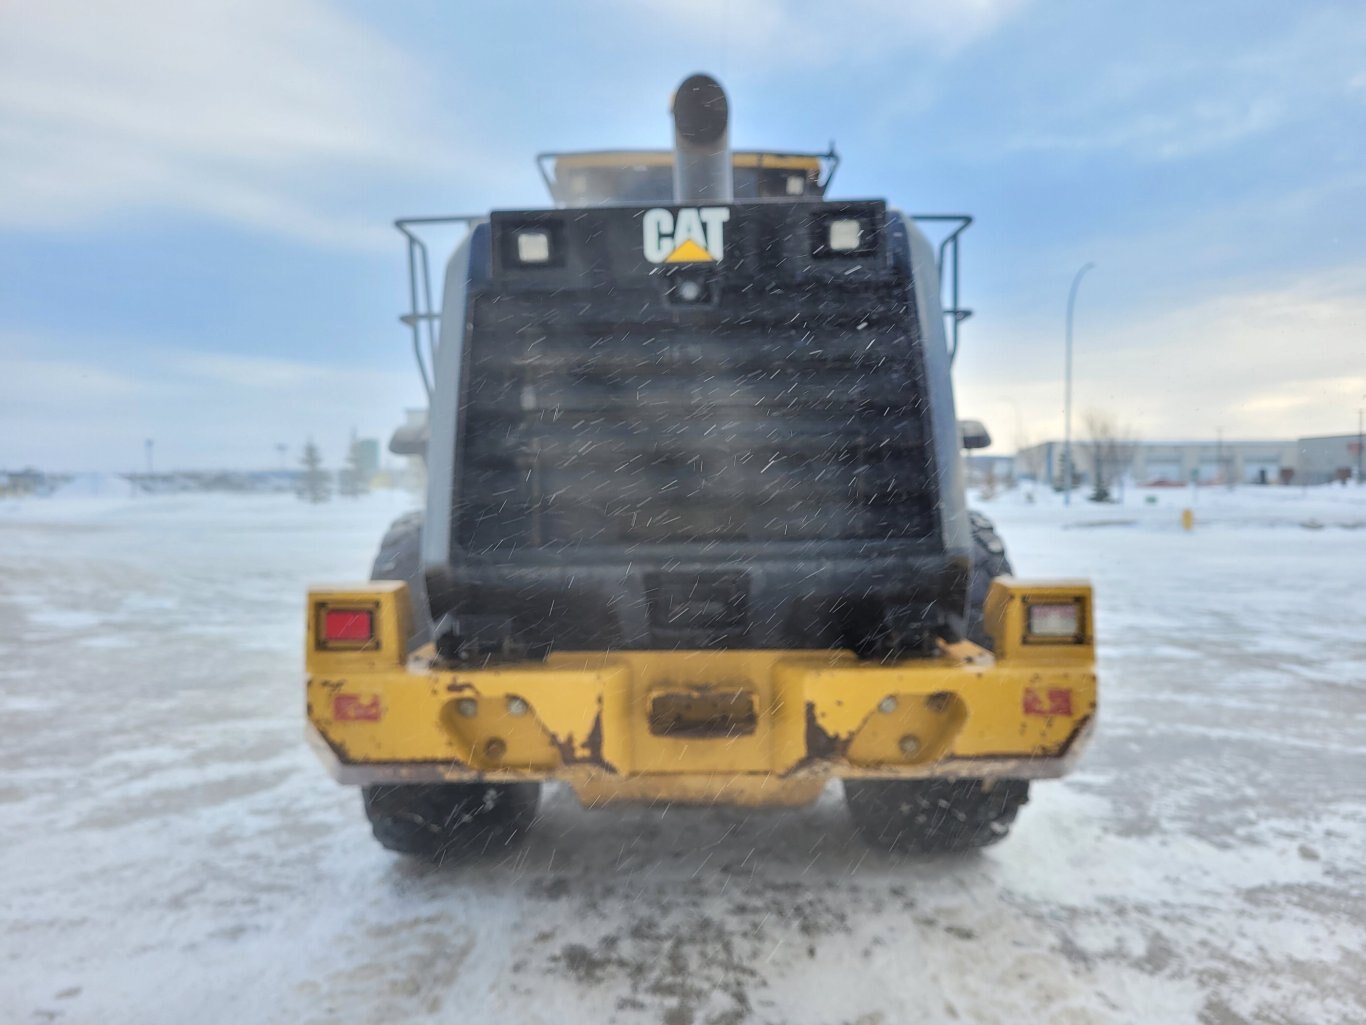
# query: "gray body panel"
{"type": "Point", "coordinates": [939, 391]}
{"type": "Point", "coordinates": [444, 418]}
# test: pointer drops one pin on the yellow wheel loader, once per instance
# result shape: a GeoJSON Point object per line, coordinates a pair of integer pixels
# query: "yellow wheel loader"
{"type": "Point", "coordinates": [695, 526]}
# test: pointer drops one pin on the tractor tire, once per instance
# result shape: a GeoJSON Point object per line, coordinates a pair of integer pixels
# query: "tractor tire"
{"type": "Point", "coordinates": [400, 558]}
{"type": "Point", "coordinates": [445, 821]}
{"type": "Point", "coordinates": [989, 561]}
{"type": "Point", "coordinates": [438, 821]}
{"type": "Point", "coordinates": [934, 816]}
{"type": "Point", "coordinates": [945, 815]}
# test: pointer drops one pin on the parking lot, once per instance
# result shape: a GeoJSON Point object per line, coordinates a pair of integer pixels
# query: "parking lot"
{"type": "Point", "coordinates": [172, 852]}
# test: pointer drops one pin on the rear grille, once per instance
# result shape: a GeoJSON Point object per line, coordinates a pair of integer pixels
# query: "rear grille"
{"type": "Point", "coordinates": [801, 422]}
{"type": "Point", "coordinates": [711, 606]}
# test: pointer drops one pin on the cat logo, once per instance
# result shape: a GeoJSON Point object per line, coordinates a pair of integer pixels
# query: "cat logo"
{"type": "Point", "coordinates": [693, 235]}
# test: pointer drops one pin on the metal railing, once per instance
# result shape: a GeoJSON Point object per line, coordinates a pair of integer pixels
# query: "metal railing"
{"type": "Point", "coordinates": [422, 312]}
{"type": "Point", "coordinates": [948, 247]}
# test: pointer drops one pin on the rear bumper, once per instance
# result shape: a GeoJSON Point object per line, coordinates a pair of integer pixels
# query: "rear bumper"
{"type": "Point", "coordinates": [734, 726]}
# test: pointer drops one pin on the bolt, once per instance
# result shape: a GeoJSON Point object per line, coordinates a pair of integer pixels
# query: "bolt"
{"type": "Point", "coordinates": [887, 705]}
{"type": "Point", "coordinates": [910, 745]}
{"type": "Point", "coordinates": [516, 706]}
{"type": "Point", "coordinates": [494, 748]}
{"type": "Point", "coordinates": [938, 701]}
{"type": "Point", "coordinates": [467, 707]}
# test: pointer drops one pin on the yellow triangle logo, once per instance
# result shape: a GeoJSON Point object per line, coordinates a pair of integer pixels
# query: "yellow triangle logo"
{"type": "Point", "coordinates": [689, 252]}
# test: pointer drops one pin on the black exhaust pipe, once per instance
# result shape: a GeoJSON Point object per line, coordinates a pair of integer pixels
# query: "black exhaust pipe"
{"type": "Point", "coordinates": [702, 164]}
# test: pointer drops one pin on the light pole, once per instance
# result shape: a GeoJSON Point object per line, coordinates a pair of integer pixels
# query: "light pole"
{"type": "Point", "coordinates": [1067, 390]}
{"type": "Point", "coordinates": [1360, 411]}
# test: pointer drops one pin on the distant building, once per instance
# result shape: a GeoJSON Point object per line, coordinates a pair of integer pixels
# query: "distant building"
{"type": "Point", "coordinates": [1211, 462]}
{"type": "Point", "coordinates": [1328, 458]}
{"type": "Point", "coordinates": [366, 455]}
{"type": "Point", "coordinates": [214, 480]}
{"type": "Point", "coordinates": [1168, 462]}
{"type": "Point", "coordinates": [31, 482]}
{"type": "Point", "coordinates": [982, 470]}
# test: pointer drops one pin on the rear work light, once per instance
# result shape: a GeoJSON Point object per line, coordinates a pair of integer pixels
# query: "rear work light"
{"type": "Point", "coordinates": [530, 242]}
{"type": "Point", "coordinates": [533, 246]}
{"type": "Point", "coordinates": [846, 234]}
{"type": "Point", "coordinates": [1055, 621]}
{"type": "Point", "coordinates": [348, 626]}
{"type": "Point", "coordinates": [849, 230]}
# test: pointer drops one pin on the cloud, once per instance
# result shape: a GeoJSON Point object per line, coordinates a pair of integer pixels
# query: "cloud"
{"type": "Point", "coordinates": [257, 111]}
{"type": "Point", "coordinates": [1169, 135]}
{"type": "Point", "coordinates": [1256, 362]}
{"type": "Point", "coordinates": [807, 33]}
{"type": "Point", "coordinates": [1185, 98]}
{"type": "Point", "coordinates": [70, 406]}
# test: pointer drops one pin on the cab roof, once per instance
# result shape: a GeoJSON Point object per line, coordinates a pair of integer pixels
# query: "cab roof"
{"type": "Point", "coordinates": [600, 177]}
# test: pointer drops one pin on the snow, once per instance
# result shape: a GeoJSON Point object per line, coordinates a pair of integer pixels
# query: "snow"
{"type": "Point", "coordinates": [172, 852]}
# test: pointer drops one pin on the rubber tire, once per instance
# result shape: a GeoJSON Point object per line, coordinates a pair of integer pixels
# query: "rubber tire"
{"type": "Point", "coordinates": [989, 561]}
{"type": "Point", "coordinates": [437, 821]}
{"type": "Point", "coordinates": [441, 821]}
{"type": "Point", "coordinates": [945, 815]}
{"type": "Point", "coordinates": [934, 816]}
{"type": "Point", "coordinates": [400, 558]}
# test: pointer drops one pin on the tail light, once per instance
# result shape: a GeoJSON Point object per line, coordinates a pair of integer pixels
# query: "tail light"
{"type": "Point", "coordinates": [341, 627]}
{"type": "Point", "coordinates": [1054, 622]}
{"type": "Point", "coordinates": [1042, 620]}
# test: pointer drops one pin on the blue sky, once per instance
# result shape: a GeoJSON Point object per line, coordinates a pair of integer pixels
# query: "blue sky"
{"type": "Point", "coordinates": [195, 197]}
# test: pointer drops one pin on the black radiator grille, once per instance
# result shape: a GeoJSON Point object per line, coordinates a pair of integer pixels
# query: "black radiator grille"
{"type": "Point", "coordinates": [712, 605]}
{"type": "Point", "coordinates": [798, 420]}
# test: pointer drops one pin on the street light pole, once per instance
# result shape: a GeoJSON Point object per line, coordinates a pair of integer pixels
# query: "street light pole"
{"type": "Point", "coordinates": [1360, 410]}
{"type": "Point", "coordinates": [1067, 390]}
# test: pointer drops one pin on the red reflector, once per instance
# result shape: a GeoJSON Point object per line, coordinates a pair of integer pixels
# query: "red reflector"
{"type": "Point", "coordinates": [1053, 701]}
{"type": "Point", "coordinates": [354, 708]}
{"type": "Point", "coordinates": [348, 625]}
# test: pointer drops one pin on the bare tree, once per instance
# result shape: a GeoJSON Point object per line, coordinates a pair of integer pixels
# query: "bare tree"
{"type": "Point", "coordinates": [1109, 448]}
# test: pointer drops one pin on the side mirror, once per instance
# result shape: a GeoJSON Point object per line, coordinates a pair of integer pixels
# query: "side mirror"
{"type": "Point", "coordinates": [410, 439]}
{"type": "Point", "coordinates": [973, 434]}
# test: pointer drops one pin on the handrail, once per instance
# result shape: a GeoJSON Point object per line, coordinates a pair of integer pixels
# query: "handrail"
{"type": "Point", "coordinates": [950, 242]}
{"type": "Point", "coordinates": [425, 313]}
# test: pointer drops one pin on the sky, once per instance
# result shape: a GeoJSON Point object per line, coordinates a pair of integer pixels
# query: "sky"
{"type": "Point", "coordinates": [196, 198]}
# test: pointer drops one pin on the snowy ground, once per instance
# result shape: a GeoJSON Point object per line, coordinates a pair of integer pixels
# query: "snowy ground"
{"type": "Point", "coordinates": [170, 851]}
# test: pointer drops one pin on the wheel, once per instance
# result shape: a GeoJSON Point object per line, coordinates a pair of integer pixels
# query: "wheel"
{"type": "Point", "coordinates": [989, 561]}
{"type": "Point", "coordinates": [400, 558]}
{"type": "Point", "coordinates": [441, 820]}
{"type": "Point", "coordinates": [928, 816]}
{"type": "Point", "coordinates": [938, 815]}
{"type": "Point", "coordinates": [448, 820]}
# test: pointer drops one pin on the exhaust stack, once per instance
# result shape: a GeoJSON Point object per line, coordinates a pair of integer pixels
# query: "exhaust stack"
{"type": "Point", "coordinates": [702, 163]}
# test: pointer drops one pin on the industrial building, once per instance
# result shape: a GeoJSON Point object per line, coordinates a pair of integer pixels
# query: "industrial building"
{"type": "Point", "coordinates": [1303, 461]}
{"type": "Point", "coordinates": [1329, 458]}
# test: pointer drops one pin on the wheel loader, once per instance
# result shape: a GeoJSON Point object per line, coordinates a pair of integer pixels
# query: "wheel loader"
{"type": "Point", "coordinates": [695, 527]}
